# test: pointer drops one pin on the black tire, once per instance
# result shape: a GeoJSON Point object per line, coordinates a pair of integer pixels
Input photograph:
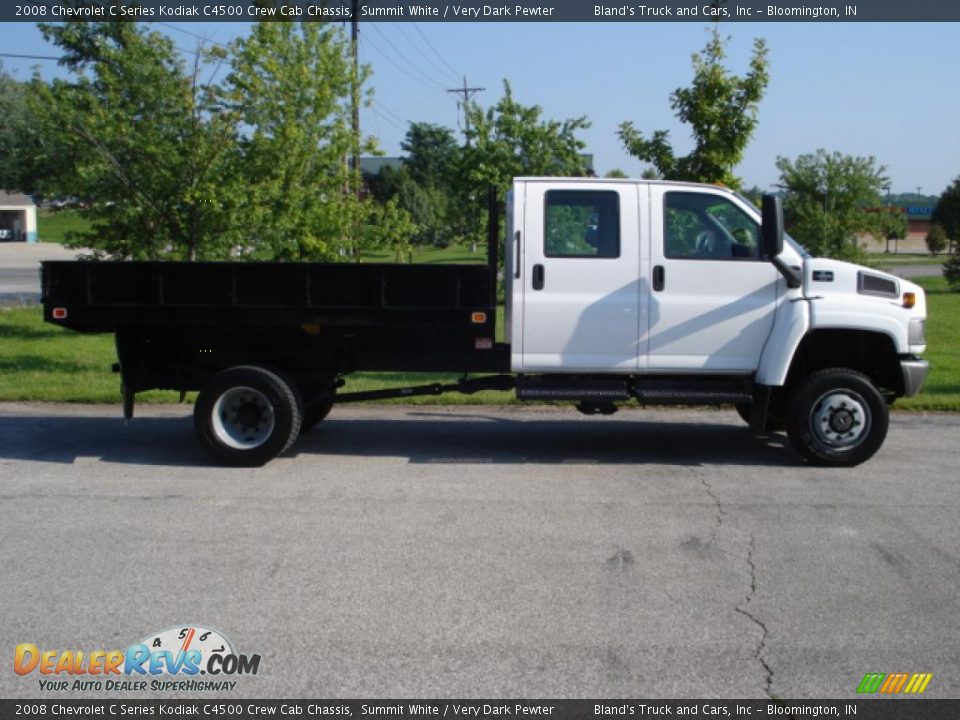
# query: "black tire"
{"type": "Point", "coordinates": [838, 418]}
{"type": "Point", "coordinates": [774, 423]}
{"type": "Point", "coordinates": [246, 416]}
{"type": "Point", "coordinates": [315, 413]}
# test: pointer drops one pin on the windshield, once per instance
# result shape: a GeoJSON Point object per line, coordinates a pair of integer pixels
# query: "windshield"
{"type": "Point", "coordinates": [793, 243]}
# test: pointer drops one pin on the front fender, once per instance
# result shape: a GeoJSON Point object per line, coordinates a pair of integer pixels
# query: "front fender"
{"type": "Point", "coordinates": [791, 323]}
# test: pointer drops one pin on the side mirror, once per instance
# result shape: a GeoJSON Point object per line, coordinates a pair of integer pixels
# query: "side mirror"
{"type": "Point", "coordinates": [771, 239]}
{"type": "Point", "coordinates": [771, 228]}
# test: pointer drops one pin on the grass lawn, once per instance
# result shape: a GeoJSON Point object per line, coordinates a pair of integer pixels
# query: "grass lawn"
{"type": "Point", "coordinates": [40, 362]}
{"type": "Point", "coordinates": [53, 225]}
{"type": "Point", "coordinates": [884, 260]}
{"type": "Point", "coordinates": [942, 389]}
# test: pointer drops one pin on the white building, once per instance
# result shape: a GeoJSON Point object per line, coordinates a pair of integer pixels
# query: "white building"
{"type": "Point", "coordinates": [18, 217]}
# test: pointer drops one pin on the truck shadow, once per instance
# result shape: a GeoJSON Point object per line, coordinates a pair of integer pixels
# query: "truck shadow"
{"type": "Point", "coordinates": [502, 440]}
{"type": "Point", "coordinates": [466, 439]}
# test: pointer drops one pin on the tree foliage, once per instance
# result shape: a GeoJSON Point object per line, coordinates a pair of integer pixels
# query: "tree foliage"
{"type": "Point", "coordinates": [946, 213]}
{"type": "Point", "coordinates": [432, 154]}
{"type": "Point", "coordinates": [291, 84]}
{"type": "Point", "coordinates": [936, 239]}
{"type": "Point", "coordinates": [394, 228]}
{"type": "Point", "coordinates": [510, 139]}
{"type": "Point", "coordinates": [241, 153]}
{"type": "Point", "coordinates": [951, 271]}
{"type": "Point", "coordinates": [721, 109]}
{"type": "Point", "coordinates": [135, 135]}
{"type": "Point", "coordinates": [16, 129]}
{"type": "Point", "coordinates": [830, 199]}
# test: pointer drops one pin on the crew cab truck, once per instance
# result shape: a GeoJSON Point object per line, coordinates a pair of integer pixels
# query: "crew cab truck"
{"type": "Point", "coordinates": [616, 291]}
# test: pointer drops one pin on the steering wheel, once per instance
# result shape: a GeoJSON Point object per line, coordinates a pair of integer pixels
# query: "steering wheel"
{"type": "Point", "coordinates": [706, 244]}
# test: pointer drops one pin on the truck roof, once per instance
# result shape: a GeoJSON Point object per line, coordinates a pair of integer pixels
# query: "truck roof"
{"type": "Point", "coordinates": [637, 181]}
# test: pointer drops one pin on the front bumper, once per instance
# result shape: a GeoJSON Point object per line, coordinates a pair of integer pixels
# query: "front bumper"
{"type": "Point", "coordinates": [914, 374]}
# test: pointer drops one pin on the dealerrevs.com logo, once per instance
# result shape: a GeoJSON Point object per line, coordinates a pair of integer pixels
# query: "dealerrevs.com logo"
{"type": "Point", "coordinates": [173, 659]}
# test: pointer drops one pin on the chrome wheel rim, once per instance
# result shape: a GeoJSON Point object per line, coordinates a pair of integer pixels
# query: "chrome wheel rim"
{"type": "Point", "coordinates": [243, 418]}
{"type": "Point", "coordinates": [840, 419]}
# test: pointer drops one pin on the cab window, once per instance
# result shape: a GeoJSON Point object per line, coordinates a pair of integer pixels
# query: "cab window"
{"type": "Point", "coordinates": [582, 223]}
{"type": "Point", "coordinates": [698, 226]}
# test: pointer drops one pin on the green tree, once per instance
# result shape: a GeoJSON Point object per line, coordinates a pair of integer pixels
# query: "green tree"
{"type": "Point", "coordinates": [936, 239]}
{"type": "Point", "coordinates": [946, 213]}
{"type": "Point", "coordinates": [427, 204]}
{"type": "Point", "coordinates": [16, 128]}
{"type": "Point", "coordinates": [721, 110]}
{"type": "Point", "coordinates": [393, 227]}
{"type": "Point", "coordinates": [830, 199]}
{"type": "Point", "coordinates": [508, 140]}
{"type": "Point", "coordinates": [892, 225]}
{"type": "Point", "coordinates": [951, 271]}
{"type": "Point", "coordinates": [432, 154]}
{"type": "Point", "coordinates": [616, 173]}
{"type": "Point", "coordinates": [291, 84]}
{"type": "Point", "coordinates": [135, 135]}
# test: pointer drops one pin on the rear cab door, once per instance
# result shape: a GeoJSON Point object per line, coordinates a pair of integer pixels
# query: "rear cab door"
{"type": "Point", "coordinates": [576, 276]}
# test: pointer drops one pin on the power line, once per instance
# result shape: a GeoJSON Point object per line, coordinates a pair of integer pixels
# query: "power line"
{"type": "Point", "coordinates": [399, 52]}
{"type": "Point", "coordinates": [30, 57]}
{"type": "Point", "coordinates": [191, 34]}
{"type": "Point", "coordinates": [397, 66]}
{"type": "Point", "coordinates": [386, 119]}
{"type": "Point", "coordinates": [435, 52]}
{"type": "Point", "coordinates": [417, 46]}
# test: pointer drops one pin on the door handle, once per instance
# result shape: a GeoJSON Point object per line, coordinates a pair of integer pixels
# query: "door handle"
{"type": "Point", "coordinates": [516, 246]}
{"type": "Point", "coordinates": [538, 277]}
{"type": "Point", "coordinates": [658, 277]}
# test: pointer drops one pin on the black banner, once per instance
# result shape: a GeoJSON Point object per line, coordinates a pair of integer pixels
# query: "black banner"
{"type": "Point", "coordinates": [877, 709]}
{"type": "Point", "coordinates": [473, 11]}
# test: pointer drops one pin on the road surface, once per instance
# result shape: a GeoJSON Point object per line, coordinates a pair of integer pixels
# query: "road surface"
{"type": "Point", "coordinates": [477, 551]}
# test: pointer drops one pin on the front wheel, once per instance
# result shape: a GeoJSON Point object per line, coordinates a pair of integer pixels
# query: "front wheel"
{"type": "Point", "coordinates": [246, 416]}
{"type": "Point", "coordinates": [838, 418]}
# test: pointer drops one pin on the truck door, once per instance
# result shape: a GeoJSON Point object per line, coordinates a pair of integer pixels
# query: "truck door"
{"type": "Point", "coordinates": [712, 298]}
{"type": "Point", "coordinates": [579, 276]}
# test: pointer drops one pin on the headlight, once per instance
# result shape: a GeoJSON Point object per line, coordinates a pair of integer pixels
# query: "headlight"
{"type": "Point", "coordinates": [917, 334]}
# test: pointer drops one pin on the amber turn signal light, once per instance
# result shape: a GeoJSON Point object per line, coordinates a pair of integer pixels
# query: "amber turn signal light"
{"type": "Point", "coordinates": [909, 300]}
{"type": "Point", "coordinates": [478, 318]}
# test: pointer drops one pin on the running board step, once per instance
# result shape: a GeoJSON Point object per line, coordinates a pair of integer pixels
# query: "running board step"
{"type": "Point", "coordinates": [599, 389]}
{"type": "Point", "coordinates": [693, 392]}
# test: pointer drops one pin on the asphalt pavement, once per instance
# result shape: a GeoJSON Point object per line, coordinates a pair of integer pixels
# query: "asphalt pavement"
{"type": "Point", "coordinates": [477, 551]}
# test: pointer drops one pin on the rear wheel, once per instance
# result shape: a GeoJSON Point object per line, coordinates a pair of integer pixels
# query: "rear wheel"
{"type": "Point", "coordinates": [314, 413]}
{"type": "Point", "coordinates": [246, 416]}
{"type": "Point", "coordinates": [316, 402]}
{"type": "Point", "coordinates": [838, 418]}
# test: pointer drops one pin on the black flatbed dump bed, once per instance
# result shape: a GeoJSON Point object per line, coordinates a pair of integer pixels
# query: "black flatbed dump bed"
{"type": "Point", "coordinates": [179, 323]}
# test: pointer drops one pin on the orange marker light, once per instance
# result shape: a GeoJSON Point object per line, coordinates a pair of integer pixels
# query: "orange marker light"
{"type": "Point", "coordinates": [478, 318]}
{"type": "Point", "coordinates": [909, 300]}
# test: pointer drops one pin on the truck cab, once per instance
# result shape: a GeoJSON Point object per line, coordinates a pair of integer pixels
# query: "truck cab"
{"type": "Point", "coordinates": [692, 292]}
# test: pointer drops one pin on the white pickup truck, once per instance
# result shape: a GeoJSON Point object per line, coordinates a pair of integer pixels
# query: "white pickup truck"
{"type": "Point", "coordinates": [616, 291]}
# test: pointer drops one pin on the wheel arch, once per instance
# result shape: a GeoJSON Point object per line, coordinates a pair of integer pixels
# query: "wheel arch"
{"type": "Point", "coordinates": [871, 352]}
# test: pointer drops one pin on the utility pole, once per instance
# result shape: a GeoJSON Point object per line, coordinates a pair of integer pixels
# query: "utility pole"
{"type": "Point", "coordinates": [355, 91]}
{"type": "Point", "coordinates": [467, 92]}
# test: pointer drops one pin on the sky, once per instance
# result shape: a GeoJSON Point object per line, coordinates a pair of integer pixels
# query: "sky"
{"type": "Point", "coordinates": [886, 90]}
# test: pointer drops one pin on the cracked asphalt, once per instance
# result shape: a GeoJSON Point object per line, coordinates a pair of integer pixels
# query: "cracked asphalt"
{"type": "Point", "coordinates": [481, 552]}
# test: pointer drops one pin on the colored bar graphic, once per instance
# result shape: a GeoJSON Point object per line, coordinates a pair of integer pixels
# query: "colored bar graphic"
{"type": "Point", "coordinates": [871, 682]}
{"type": "Point", "coordinates": [894, 683]}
